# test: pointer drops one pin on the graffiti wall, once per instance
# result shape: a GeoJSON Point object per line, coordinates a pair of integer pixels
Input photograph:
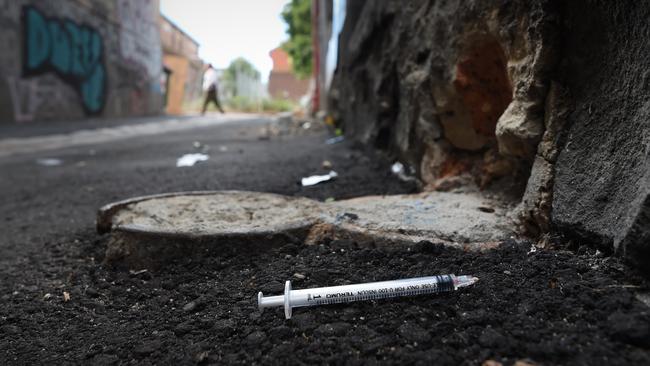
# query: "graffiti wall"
{"type": "Point", "coordinates": [72, 51]}
{"type": "Point", "coordinates": [70, 59]}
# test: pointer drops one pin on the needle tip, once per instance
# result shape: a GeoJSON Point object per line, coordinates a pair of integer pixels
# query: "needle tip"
{"type": "Point", "coordinates": [464, 281]}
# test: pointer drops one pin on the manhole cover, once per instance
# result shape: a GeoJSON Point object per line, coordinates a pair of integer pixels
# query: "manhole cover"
{"type": "Point", "coordinates": [147, 231]}
{"type": "Point", "coordinates": [210, 214]}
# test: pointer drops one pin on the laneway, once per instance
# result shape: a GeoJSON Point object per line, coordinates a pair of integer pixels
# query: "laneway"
{"type": "Point", "coordinates": [42, 204]}
{"type": "Point", "coordinates": [58, 303]}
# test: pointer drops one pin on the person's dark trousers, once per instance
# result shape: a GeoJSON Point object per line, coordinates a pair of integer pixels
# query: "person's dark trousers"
{"type": "Point", "coordinates": [211, 96]}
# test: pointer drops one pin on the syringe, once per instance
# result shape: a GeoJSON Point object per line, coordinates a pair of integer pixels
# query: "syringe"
{"type": "Point", "coordinates": [362, 291]}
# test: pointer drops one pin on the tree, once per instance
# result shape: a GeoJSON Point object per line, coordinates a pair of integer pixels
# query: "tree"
{"type": "Point", "coordinates": [297, 15]}
{"type": "Point", "coordinates": [239, 66]}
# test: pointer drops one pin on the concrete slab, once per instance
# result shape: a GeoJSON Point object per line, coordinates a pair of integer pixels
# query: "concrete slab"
{"type": "Point", "coordinates": [449, 217]}
{"type": "Point", "coordinates": [147, 231]}
{"type": "Point", "coordinates": [211, 214]}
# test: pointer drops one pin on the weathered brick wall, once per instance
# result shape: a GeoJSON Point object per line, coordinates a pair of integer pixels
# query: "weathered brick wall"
{"type": "Point", "coordinates": [70, 59]}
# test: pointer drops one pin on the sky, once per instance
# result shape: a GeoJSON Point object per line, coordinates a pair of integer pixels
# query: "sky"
{"type": "Point", "coordinates": [227, 29]}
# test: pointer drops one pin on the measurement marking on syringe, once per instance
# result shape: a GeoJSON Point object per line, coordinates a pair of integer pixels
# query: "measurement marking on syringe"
{"type": "Point", "coordinates": [363, 296]}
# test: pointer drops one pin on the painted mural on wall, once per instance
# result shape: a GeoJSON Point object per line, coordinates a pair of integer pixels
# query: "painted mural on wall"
{"type": "Point", "coordinates": [72, 51]}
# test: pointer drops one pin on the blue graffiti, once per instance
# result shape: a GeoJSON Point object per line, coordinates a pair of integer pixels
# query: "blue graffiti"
{"type": "Point", "coordinates": [74, 52]}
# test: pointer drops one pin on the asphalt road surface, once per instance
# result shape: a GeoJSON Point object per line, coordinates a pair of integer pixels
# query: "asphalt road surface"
{"type": "Point", "coordinates": [60, 305]}
{"type": "Point", "coordinates": [40, 203]}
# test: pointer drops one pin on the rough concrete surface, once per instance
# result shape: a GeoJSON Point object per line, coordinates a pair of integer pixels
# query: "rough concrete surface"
{"type": "Point", "coordinates": [602, 180]}
{"type": "Point", "coordinates": [149, 231]}
{"type": "Point", "coordinates": [218, 213]}
{"type": "Point", "coordinates": [534, 211]}
{"type": "Point", "coordinates": [454, 218]}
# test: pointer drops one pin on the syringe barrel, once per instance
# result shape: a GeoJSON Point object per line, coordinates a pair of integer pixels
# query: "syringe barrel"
{"type": "Point", "coordinates": [372, 291]}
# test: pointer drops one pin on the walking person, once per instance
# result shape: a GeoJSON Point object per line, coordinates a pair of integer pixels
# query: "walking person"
{"type": "Point", "coordinates": [211, 89]}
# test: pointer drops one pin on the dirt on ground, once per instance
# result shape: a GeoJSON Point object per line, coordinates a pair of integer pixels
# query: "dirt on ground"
{"type": "Point", "coordinates": [545, 307]}
{"type": "Point", "coordinates": [60, 305]}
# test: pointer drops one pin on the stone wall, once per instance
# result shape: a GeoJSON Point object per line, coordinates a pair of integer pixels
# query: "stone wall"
{"type": "Point", "coordinates": [433, 82]}
{"type": "Point", "coordinates": [531, 97]}
{"type": "Point", "coordinates": [602, 179]}
{"type": "Point", "coordinates": [72, 59]}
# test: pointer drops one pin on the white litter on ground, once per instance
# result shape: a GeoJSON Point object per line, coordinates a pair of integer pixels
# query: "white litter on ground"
{"type": "Point", "coordinates": [191, 159]}
{"type": "Point", "coordinates": [397, 168]}
{"type": "Point", "coordinates": [315, 179]}
{"type": "Point", "coordinates": [334, 140]}
{"type": "Point", "coordinates": [49, 162]}
{"type": "Point", "coordinates": [400, 171]}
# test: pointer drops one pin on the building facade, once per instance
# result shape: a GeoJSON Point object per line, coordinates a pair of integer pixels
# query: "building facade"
{"type": "Point", "coordinates": [181, 59]}
{"type": "Point", "coordinates": [283, 84]}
